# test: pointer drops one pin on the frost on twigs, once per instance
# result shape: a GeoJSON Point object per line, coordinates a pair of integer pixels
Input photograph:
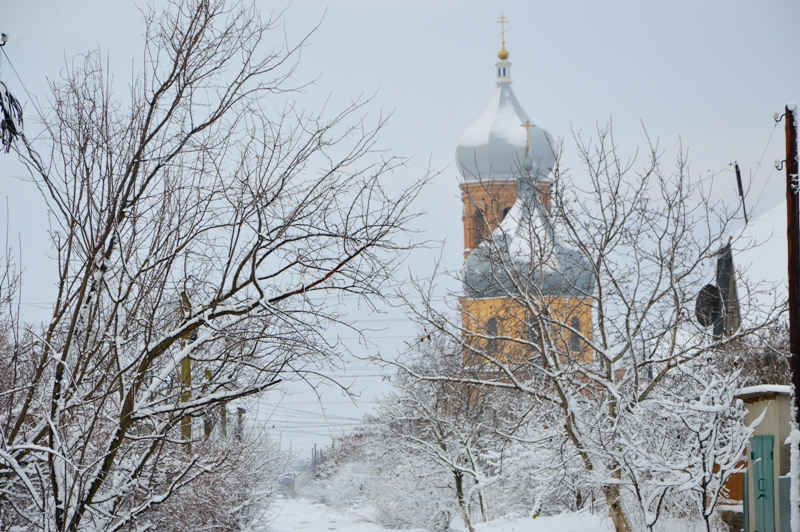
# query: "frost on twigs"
{"type": "Point", "coordinates": [198, 235]}
{"type": "Point", "coordinates": [612, 396]}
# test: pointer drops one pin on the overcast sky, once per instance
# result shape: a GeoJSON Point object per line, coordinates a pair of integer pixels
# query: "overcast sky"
{"type": "Point", "coordinates": [706, 73]}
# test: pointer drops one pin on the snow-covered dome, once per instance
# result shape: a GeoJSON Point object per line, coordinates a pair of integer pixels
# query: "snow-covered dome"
{"type": "Point", "coordinates": [493, 147]}
{"type": "Point", "coordinates": [526, 252]}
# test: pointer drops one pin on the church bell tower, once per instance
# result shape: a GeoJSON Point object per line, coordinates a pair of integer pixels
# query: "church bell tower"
{"type": "Point", "coordinates": [512, 252]}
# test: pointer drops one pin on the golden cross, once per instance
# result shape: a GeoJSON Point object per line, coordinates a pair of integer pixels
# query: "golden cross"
{"type": "Point", "coordinates": [503, 21]}
{"type": "Point", "coordinates": [527, 125]}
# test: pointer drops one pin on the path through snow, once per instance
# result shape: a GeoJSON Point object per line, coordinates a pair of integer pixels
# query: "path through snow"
{"type": "Point", "coordinates": [300, 514]}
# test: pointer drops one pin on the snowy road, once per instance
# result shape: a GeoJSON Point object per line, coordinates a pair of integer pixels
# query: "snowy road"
{"type": "Point", "coordinates": [300, 514]}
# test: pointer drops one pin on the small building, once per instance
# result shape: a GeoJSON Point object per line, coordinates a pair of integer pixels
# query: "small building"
{"type": "Point", "coordinates": [766, 485]}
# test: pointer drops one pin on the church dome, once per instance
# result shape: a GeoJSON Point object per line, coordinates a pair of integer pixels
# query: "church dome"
{"type": "Point", "coordinates": [526, 252]}
{"type": "Point", "coordinates": [493, 148]}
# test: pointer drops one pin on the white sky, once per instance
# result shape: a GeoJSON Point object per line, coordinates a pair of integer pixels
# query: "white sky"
{"type": "Point", "coordinates": [708, 73]}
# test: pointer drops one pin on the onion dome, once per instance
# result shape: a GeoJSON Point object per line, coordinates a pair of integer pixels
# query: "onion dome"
{"type": "Point", "coordinates": [492, 149]}
{"type": "Point", "coordinates": [526, 253]}
{"type": "Point", "coordinates": [502, 55]}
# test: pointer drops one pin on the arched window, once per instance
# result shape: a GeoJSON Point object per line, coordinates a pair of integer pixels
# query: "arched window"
{"type": "Point", "coordinates": [479, 227]}
{"type": "Point", "coordinates": [574, 337]}
{"type": "Point", "coordinates": [491, 331]}
{"type": "Point", "coordinates": [505, 212]}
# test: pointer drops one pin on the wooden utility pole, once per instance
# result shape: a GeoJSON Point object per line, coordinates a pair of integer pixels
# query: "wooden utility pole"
{"type": "Point", "coordinates": [208, 419]}
{"type": "Point", "coordinates": [793, 234]}
{"type": "Point", "coordinates": [224, 418]}
{"type": "Point", "coordinates": [186, 378]}
{"type": "Point", "coordinates": [240, 423]}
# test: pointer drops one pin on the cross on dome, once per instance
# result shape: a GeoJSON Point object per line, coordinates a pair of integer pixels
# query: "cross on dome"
{"type": "Point", "coordinates": [527, 163]}
{"type": "Point", "coordinates": [493, 149]}
{"type": "Point", "coordinates": [492, 156]}
{"type": "Point", "coordinates": [503, 54]}
{"type": "Point", "coordinates": [528, 125]}
{"type": "Point", "coordinates": [504, 65]}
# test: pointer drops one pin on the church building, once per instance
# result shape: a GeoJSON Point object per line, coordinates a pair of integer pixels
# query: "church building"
{"type": "Point", "coordinates": [521, 278]}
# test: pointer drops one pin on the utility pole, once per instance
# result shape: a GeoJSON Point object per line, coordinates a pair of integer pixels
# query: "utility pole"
{"type": "Point", "coordinates": [314, 461]}
{"type": "Point", "coordinates": [793, 234]}
{"type": "Point", "coordinates": [224, 418]}
{"type": "Point", "coordinates": [186, 378]}
{"type": "Point", "coordinates": [208, 418]}
{"type": "Point", "coordinates": [240, 423]}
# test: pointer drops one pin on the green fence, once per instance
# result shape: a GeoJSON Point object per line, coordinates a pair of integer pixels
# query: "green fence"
{"type": "Point", "coordinates": [784, 507]}
{"type": "Point", "coordinates": [765, 507]}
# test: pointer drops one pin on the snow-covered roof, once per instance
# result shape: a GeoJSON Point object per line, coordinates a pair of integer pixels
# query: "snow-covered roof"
{"type": "Point", "coordinates": [527, 253]}
{"type": "Point", "coordinates": [760, 251]}
{"type": "Point", "coordinates": [764, 389]}
{"type": "Point", "coordinates": [492, 149]}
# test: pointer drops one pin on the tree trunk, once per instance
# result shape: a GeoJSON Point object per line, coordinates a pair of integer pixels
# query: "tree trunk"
{"type": "Point", "coordinates": [462, 504]}
{"type": "Point", "coordinates": [483, 505]}
{"type": "Point", "coordinates": [611, 493]}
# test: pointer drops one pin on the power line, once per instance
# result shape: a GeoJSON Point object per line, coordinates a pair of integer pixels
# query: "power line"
{"type": "Point", "coordinates": [758, 166]}
{"type": "Point", "coordinates": [329, 402]}
{"type": "Point", "coordinates": [30, 97]}
{"type": "Point", "coordinates": [296, 411]}
{"type": "Point", "coordinates": [308, 425]}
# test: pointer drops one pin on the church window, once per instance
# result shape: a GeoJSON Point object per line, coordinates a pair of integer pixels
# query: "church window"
{"type": "Point", "coordinates": [505, 212]}
{"type": "Point", "coordinates": [504, 71]}
{"type": "Point", "coordinates": [498, 72]}
{"type": "Point", "coordinates": [575, 337]}
{"type": "Point", "coordinates": [491, 331]}
{"type": "Point", "coordinates": [479, 227]}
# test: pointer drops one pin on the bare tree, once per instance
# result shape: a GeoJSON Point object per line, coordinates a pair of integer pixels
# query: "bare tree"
{"type": "Point", "coordinates": [199, 236]}
{"type": "Point", "coordinates": [628, 248]}
{"type": "Point", "coordinates": [234, 495]}
{"type": "Point", "coordinates": [451, 425]}
{"type": "Point", "coordinates": [762, 358]}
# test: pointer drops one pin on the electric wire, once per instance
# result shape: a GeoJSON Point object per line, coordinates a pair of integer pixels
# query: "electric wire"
{"type": "Point", "coordinates": [30, 96]}
{"type": "Point", "coordinates": [758, 166]}
{"type": "Point", "coordinates": [334, 423]}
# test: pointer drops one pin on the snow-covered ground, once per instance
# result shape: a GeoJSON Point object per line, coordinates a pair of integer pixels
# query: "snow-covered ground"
{"type": "Point", "coordinates": [561, 523]}
{"type": "Point", "coordinates": [301, 514]}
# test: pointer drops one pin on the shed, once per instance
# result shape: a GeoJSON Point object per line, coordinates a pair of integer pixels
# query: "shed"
{"type": "Point", "coordinates": [766, 484]}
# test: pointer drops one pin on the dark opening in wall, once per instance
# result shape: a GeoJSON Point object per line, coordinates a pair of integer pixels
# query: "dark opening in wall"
{"type": "Point", "coordinates": [493, 344]}
{"type": "Point", "coordinates": [574, 337]}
